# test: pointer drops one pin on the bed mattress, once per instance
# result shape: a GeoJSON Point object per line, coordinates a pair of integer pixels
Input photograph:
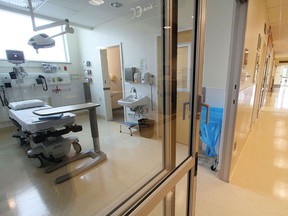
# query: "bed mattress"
{"type": "Point", "coordinates": [29, 122]}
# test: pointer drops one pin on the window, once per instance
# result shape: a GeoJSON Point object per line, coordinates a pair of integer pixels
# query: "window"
{"type": "Point", "coordinates": [16, 32]}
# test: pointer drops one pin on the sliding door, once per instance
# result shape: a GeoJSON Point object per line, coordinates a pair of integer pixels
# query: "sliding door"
{"type": "Point", "coordinates": [172, 191]}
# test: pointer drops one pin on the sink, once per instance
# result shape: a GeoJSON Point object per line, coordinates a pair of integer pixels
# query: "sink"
{"type": "Point", "coordinates": [131, 102]}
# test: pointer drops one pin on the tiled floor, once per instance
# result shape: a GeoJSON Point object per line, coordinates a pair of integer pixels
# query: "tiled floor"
{"type": "Point", "coordinates": [22, 185]}
{"type": "Point", "coordinates": [263, 165]}
{"type": "Point", "coordinates": [26, 190]}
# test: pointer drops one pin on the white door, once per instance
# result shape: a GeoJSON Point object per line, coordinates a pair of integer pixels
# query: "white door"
{"type": "Point", "coordinates": [172, 190]}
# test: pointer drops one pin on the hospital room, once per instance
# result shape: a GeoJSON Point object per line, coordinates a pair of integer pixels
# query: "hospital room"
{"type": "Point", "coordinates": [84, 102]}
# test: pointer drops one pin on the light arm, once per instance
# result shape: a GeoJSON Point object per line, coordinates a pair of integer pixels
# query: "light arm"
{"type": "Point", "coordinates": [50, 25]}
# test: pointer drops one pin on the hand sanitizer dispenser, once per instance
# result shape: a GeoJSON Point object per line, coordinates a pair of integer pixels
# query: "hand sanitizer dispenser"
{"type": "Point", "coordinates": [137, 77]}
{"type": "Point", "coordinates": [146, 78]}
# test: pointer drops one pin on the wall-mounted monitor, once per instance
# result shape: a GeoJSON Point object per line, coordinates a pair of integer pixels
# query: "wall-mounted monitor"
{"type": "Point", "coordinates": [15, 56]}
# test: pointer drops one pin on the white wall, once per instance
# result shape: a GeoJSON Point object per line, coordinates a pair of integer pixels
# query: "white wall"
{"type": "Point", "coordinates": [217, 43]}
{"type": "Point", "coordinates": [138, 42]}
{"type": "Point", "coordinates": [218, 34]}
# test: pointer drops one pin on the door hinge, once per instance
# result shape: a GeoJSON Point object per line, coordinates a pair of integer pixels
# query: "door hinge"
{"type": "Point", "coordinates": [196, 164]}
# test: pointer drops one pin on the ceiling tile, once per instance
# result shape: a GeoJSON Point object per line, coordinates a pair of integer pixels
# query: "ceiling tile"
{"type": "Point", "coordinates": [86, 20]}
{"type": "Point", "coordinates": [275, 3]}
{"type": "Point", "coordinates": [284, 14]}
{"type": "Point", "coordinates": [55, 11]}
{"type": "Point", "coordinates": [71, 4]}
{"type": "Point", "coordinates": [284, 27]}
{"type": "Point", "coordinates": [272, 3]}
{"type": "Point", "coordinates": [274, 14]}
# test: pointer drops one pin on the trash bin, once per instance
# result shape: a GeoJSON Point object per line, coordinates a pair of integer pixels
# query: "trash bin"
{"type": "Point", "coordinates": [210, 134]}
{"type": "Point", "coordinates": [146, 127]}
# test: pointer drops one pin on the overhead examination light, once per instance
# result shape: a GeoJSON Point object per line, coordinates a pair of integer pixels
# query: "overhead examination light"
{"type": "Point", "coordinates": [43, 40]}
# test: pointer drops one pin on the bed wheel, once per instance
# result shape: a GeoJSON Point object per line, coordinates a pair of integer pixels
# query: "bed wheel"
{"type": "Point", "coordinates": [38, 162]}
{"type": "Point", "coordinates": [213, 168]}
{"type": "Point", "coordinates": [77, 147]}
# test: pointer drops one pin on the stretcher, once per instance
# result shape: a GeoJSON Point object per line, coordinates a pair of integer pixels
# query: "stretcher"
{"type": "Point", "coordinates": [42, 127]}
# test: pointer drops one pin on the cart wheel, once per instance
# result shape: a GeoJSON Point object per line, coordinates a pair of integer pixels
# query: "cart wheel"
{"type": "Point", "coordinates": [38, 162]}
{"type": "Point", "coordinates": [213, 168]}
{"type": "Point", "coordinates": [77, 147]}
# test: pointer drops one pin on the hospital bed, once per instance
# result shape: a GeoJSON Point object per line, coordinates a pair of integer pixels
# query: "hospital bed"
{"type": "Point", "coordinates": [42, 127]}
{"type": "Point", "coordinates": [44, 135]}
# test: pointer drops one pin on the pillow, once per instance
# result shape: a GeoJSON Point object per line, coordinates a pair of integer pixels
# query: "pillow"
{"type": "Point", "coordinates": [26, 104]}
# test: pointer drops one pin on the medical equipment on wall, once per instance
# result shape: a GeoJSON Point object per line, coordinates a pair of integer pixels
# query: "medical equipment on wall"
{"type": "Point", "coordinates": [147, 78]}
{"type": "Point", "coordinates": [3, 97]}
{"type": "Point", "coordinates": [43, 40]}
{"type": "Point", "coordinates": [49, 68]}
{"type": "Point", "coordinates": [41, 80]}
{"type": "Point", "coordinates": [43, 134]}
{"type": "Point", "coordinates": [16, 57]}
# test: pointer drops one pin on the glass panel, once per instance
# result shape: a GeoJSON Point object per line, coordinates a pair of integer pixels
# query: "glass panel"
{"type": "Point", "coordinates": [184, 75]}
{"type": "Point", "coordinates": [180, 200]}
{"type": "Point", "coordinates": [123, 59]}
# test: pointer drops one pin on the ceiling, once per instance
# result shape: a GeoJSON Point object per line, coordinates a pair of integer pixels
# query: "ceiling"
{"type": "Point", "coordinates": [278, 18]}
{"type": "Point", "coordinates": [79, 12]}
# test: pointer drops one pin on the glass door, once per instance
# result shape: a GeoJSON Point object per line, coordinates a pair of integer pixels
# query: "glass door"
{"type": "Point", "coordinates": [179, 78]}
{"type": "Point", "coordinates": [151, 160]}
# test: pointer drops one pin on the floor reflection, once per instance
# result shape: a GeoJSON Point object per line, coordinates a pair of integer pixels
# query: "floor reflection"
{"type": "Point", "coordinates": [263, 165]}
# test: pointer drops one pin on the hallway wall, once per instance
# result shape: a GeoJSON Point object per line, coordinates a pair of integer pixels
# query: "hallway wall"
{"type": "Point", "coordinates": [249, 88]}
{"type": "Point", "coordinates": [216, 54]}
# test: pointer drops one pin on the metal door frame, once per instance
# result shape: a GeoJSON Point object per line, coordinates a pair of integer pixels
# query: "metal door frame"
{"type": "Point", "coordinates": [156, 190]}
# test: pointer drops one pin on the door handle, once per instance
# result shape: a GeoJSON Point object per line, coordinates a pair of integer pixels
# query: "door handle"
{"type": "Point", "coordinates": [184, 109]}
{"type": "Point", "coordinates": [202, 104]}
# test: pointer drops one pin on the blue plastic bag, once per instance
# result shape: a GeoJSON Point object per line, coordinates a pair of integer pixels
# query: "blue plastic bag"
{"type": "Point", "coordinates": [210, 134]}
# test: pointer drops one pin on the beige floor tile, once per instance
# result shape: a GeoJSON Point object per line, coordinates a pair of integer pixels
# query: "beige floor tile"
{"type": "Point", "coordinates": [26, 190]}
{"type": "Point", "coordinates": [263, 164]}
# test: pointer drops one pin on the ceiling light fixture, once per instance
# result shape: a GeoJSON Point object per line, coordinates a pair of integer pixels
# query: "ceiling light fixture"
{"type": "Point", "coordinates": [116, 4]}
{"type": "Point", "coordinates": [96, 2]}
{"type": "Point", "coordinates": [24, 3]}
{"type": "Point", "coordinates": [43, 40]}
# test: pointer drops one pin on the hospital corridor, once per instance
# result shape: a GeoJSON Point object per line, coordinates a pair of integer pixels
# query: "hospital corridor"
{"type": "Point", "coordinates": [263, 164]}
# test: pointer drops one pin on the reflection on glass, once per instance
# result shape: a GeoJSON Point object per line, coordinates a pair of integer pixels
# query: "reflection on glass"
{"type": "Point", "coordinates": [125, 56]}
{"type": "Point", "coordinates": [184, 71]}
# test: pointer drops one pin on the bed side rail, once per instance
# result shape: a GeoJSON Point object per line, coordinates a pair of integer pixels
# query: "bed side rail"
{"type": "Point", "coordinates": [42, 136]}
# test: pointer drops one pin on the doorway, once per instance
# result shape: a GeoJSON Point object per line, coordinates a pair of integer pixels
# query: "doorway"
{"type": "Point", "coordinates": [116, 87]}
{"type": "Point", "coordinates": [111, 62]}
